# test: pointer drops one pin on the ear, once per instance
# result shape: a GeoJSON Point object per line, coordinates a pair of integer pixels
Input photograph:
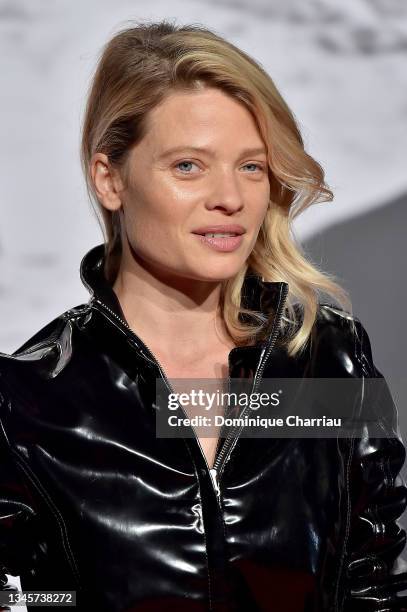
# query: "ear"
{"type": "Point", "coordinates": [106, 181]}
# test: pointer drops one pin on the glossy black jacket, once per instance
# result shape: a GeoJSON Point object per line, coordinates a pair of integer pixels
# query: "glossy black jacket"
{"type": "Point", "coordinates": [92, 501]}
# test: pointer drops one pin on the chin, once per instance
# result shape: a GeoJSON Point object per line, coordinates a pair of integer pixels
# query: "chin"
{"type": "Point", "coordinates": [223, 274]}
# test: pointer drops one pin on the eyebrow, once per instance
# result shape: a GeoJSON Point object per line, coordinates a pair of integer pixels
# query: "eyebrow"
{"type": "Point", "coordinates": [179, 149]}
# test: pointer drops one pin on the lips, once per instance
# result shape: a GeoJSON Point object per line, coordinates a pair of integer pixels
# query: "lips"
{"type": "Point", "coordinates": [236, 230]}
{"type": "Point", "coordinates": [225, 244]}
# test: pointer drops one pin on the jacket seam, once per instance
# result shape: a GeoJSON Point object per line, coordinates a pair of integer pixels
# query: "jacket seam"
{"type": "Point", "coordinates": [371, 373]}
{"type": "Point", "coordinates": [52, 506]}
{"type": "Point", "coordinates": [129, 339]}
{"type": "Point", "coordinates": [347, 530]}
{"type": "Point", "coordinates": [41, 490]}
{"type": "Point", "coordinates": [357, 346]}
{"type": "Point", "coordinates": [339, 607]}
{"type": "Point", "coordinates": [359, 353]}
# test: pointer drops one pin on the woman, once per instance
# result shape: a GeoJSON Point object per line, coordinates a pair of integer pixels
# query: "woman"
{"type": "Point", "coordinates": [186, 137]}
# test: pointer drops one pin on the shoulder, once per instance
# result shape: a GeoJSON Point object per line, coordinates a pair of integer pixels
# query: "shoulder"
{"type": "Point", "coordinates": [51, 331]}
{"type": "Point", "coordinates": [343, 336]}
{"type": "Point", "coordinates": [42, 353]}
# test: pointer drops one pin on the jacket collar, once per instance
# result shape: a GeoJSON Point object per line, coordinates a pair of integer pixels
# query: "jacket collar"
{"type": "Point", "coordinates": [257, 294]}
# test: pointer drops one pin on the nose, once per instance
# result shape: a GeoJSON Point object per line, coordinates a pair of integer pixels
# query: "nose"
{"type": "Point", "coordinates": [225, 193]}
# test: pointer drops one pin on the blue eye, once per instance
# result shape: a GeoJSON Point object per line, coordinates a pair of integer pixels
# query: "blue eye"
{"type": "Point", "coordinates": [255, 165]}
{"type": "Point", "coordinates": [189, 163]}
{"type": "Point", "coordinates": [183, 163]}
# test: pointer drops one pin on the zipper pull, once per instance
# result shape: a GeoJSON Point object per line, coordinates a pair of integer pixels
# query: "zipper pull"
{"type": "Point", "coordinates": [214, 476]}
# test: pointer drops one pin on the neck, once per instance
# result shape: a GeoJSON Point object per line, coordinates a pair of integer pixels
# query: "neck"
{"type": "Point", "coordinates": [181, 313]}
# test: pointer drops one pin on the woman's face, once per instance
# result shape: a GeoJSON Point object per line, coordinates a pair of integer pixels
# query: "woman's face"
{"type": "Point", "coordinates": [171, 194]}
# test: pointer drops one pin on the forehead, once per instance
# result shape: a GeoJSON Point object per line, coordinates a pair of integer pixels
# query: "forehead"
{"type": "Point", "coordinates": [203, 120]}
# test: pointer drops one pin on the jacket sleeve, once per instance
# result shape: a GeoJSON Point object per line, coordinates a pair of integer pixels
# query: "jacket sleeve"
{"type": "Point", "coordinates": [375, 574]}
{"type": "Point", "coordinates": [16, 513]}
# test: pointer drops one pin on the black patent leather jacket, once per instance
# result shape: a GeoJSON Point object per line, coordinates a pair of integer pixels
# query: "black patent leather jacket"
{"type": "Point", "coordinates": [92, 501]}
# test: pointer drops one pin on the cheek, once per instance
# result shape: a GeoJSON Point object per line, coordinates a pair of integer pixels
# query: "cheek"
{"type": "Point", "coordinates": [262, 211]}
{"type": "Point", "coordinates": [150, 238]}
{"type": "Point", "coordinates": [149, 211]}
{"type": "Point", "coordinates": [147, 228]}
{"type": "Point", "coordinates": [152, 224]}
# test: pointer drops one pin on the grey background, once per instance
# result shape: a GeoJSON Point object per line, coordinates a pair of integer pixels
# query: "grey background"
{"type": "Point", "coordinates": [340, 67]}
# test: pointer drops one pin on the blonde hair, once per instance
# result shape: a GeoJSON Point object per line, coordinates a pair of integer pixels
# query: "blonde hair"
{"type": "Point", "coordinates": [137, 69]}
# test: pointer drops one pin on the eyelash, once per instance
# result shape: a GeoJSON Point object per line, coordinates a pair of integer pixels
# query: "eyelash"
{"type": "Point", "coordinates": [189, 161]}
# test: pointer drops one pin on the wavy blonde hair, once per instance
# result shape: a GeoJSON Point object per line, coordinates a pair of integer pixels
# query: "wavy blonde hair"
{"type": "Point", "coordinates": [137, 69]}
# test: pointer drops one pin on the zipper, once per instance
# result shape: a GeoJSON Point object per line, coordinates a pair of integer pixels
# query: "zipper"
{"type": "Point", "coordinates": [228, 445]}
{"type": "Point", "coordinates": [155, 361]}
{"type": "Point", "coordinates": [214, 477]}
{"type": "Point", "coordinates": [213, 471]}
